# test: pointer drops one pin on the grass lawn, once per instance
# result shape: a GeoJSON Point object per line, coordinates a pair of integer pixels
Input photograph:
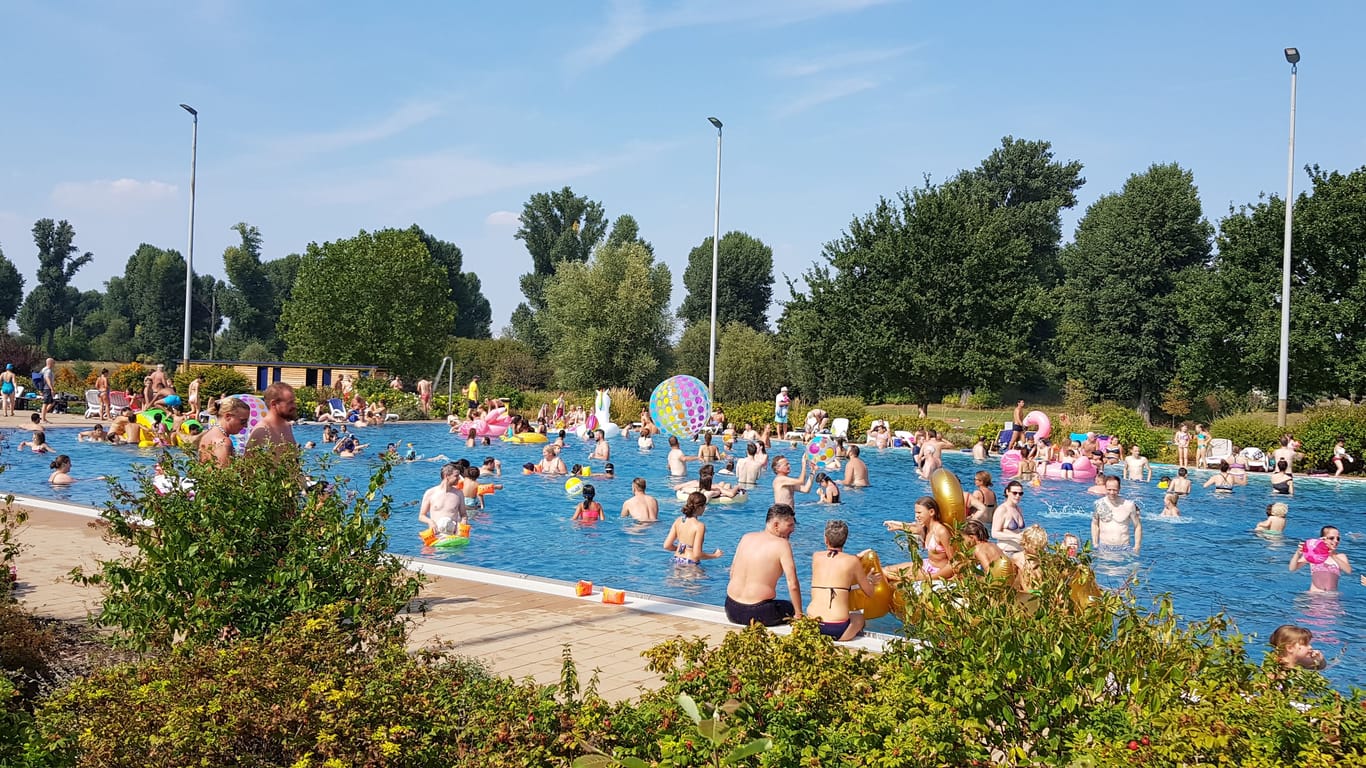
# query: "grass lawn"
{"type": "Point", "coordinates": [970, 419]}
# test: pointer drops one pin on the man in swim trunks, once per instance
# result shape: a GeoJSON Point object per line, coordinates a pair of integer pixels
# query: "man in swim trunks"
{"type": "Point", "coordinates": [641, 506]}
{"type": "Point", "coordinates": [833, 573]}
{"type": "Point", "coordinates": [443, 505]}
{"type": "Point", "coordinates": [1111, 518]}
{"type": "Point", "coordinates": [855, 470]}
{"type": "Point", "coordinates": [781, 403]}
{"type": "Point", "coordinates": [1286, 453]}
{"type": "Point", "coordinates": [274, 430]}
{"type": "Point", "coordinates": [424, 395]}
{"type": "Point", "coordinates": [1136, 466]}
{"type": "Point", "coordinates": [1017, 424]}
{"type": "Point", "coordinates": [677, 459]}
{"type": "Point", "coordinates": [760, 558]}
{"type": "Point", "coordinates": [747, 469]}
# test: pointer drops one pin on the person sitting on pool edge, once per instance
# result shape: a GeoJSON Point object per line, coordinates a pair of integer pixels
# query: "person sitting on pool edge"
{"type": "Point", "coordinates": [760, 558]}
{"type": "Point", "coordinates": [834, 573]}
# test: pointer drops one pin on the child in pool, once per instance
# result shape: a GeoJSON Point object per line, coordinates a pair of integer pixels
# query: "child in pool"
{"type": "Point", "coordinates": [588, 511]}
{"type": "Point", "coordinates": [1274, 524]}
{"type": "Point", "coordinates": [38, 444]}
{"type": "Point", "coordinates": [827, 489]}
{"type": "Point", "coordinates": [1294, 647]}
{"type": "Point", "coordinates": [1169, 508]}
{"type": "Point", "coordinates": [61, 471]}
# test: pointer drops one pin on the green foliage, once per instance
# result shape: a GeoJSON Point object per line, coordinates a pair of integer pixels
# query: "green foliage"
{"type": "Point", "coordinates": [1076, 396]}
{"type": "Point", "coordinates": [12, 519]}
{"type": "Point", "coordinates": [749, 365]}
{"type": "Point", "coordinates": [849, 407]}
{"type": "Point", "coordinates": [692, 353]}
{"type": "Point", "coordinates": [1117, 421]}
{"type": "Point", "coordinates": [626, 405]}
{"type": "Point", "coordinates": [308, 695]}
{"type": "Point", "coordinates": [1322, 427]}
{"type": "Point", "coordinates": [505, 362]}
{"type": "Point", "coordinates": [610, 319]}
{"type": "Point", "coordinates": [909, 297]}
{"type": "Point", "coordinates": [11, 290]}
{"type": "Point", "coordinates": [27, 358]}
{"type": "Point", "coordinates": [150, 296]}
{"type": "Point", "coordinates": [50, 304]}
{"type": "Point", "coordinates": [757, 413]}
{"type": "Point", "coordinates": [713, 730]}
{"type": "Point", "coordinates": [243, 552]}
{"type": "Point", "coordinates": [915, 424]}
{"type": "Point", "coordinates": [989, 431]}
{"type": "Point", "coordinates": [217, 381]}
{"type": "Point", "coordinates": [16, 724]}
{"type": "Point", "coordinates": [558, 228]}
{"type": "Point", "coordinates": [744, 282]}
{"type": "Point", "coordinates": [984, 400]}
{"type": "Point", "coordinates": [473, 314]}
{"type": "Point", "coordinates": [375, 298]}
{"type": "Point", "coordinates": [128, 378]}
{"type": "Point", "coordinates": [1249, 431]}
{"type": "Point", "coordinates": [1132, 267]}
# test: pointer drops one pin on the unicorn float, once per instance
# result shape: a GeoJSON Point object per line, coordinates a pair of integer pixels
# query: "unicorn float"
{"type": "Point", "coordinates": [600, 418]}
{"type": "Point", "coordinates": [494, 424]}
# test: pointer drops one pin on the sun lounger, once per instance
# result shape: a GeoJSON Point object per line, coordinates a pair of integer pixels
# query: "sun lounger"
{"type": "Point", "coordinates": [92, 404]}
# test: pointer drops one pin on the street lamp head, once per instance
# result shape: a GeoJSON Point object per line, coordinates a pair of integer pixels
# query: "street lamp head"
{"type": "Point", "coordinates": [1292, 55]}
{"type": "Point", "coordinates": [715, 122]}
{"type": "Point", "coordinates": [190, 109]}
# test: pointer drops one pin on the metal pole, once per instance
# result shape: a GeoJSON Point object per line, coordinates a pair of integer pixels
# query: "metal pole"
{"type": "Point", "coordinates": [213, 318]}
{"type": "Point", "coordinates": [715, 255]}
{"type": "Point", "coordinates": [1285, 258]}
{"type": "Point", "coordinates": [189, 256]}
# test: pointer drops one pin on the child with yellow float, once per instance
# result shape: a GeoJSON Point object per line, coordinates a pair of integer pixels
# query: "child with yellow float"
{"type": "Point", "coordinates": [938, 519]}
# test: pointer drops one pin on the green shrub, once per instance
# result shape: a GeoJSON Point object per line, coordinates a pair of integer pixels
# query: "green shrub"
{"type": "Point", "coordinates": [128, 378]}
{"type": "Point", "coordinates": [626, 406]}
{"type": "Point", "coordinates": [307, 695]}
{"type": "Point", "coordinates": [846, 407]}
{"type": "Point", "coordinates": [16, 724]}
{"type": "Point", "coordinates": [1247, 431]}
{"type": "Point", "coordinates": [1321, 428]}
{"type": "Point", "coordinates": [12, 520]}
{"type": "Point", "coordinates": [984, 400]}
{"type": "Point", "coordinates": [217, 381]}
{"type": "Point", "coordinates": [243, 552]}
{"type": "Point", "coordinates": [915, 423]}
{"type": "Point", "coordinates": [989, 431]}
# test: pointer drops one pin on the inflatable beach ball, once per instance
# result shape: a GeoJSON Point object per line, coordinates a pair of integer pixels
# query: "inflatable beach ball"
{"type": "Point", "coordinates": [257, 406]}
{"type": "Point", "coordinates": [821, 450]}
{"type": "Point", "coordinates": [681, 406]}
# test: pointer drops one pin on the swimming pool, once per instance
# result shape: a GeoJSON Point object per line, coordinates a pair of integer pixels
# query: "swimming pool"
{"type": "Point", "coordinates": [1207, 559]}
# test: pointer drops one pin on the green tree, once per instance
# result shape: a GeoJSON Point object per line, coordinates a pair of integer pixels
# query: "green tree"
{"type": "Point", "coordinates": [749, 366]}
{"type": "Point", "coordinates": [250, 299]}
{"type": "Point", "coordinates": [744, 282]}
{"type": "Point", "coordinates": [11, 291]}
{"type": "Point", "coordinates": [49, 304]}
{"type": "Point", "coordinates": [1128, 272]}
{"type": "Point", "coordinates": [151, 297]}
{"type": "Point", "coordinates": [691, 354]}
{"type": "Point", "coordinates": [626, 230]}
{"type": "Point", "coordinates": [392, 303]}
{"type": "Point", "coordinates": [557, 227]}
{"type": "Point", "coordinates": [474, 316]}
{"type": "Point", "coordinates": [609, 319]}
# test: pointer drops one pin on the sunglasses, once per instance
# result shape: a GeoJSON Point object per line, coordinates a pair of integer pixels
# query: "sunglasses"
{"type": "Point", "coordinates": [1333, 538]}
{"type": "Point", "coordinates": [1015, 493]}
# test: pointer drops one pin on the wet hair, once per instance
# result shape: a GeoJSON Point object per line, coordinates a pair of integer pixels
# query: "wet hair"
{"type": "Point", "coordinates": [529, 467]}
{"type": "Point", "coordinates": [609, 469]}
{"type": "Point", "coordinates": [561, 434]}
{"type": "Point", "coordinates": [472, 473]}
{"type": "Point", "coordinates": [1181, 472]}
{"type": "Point", "coordinates": [1282, 466]}
{"type": "Point", "coordinates": [230, 405]}
{"type": "Point", "coordinates": [929, 503]}
{"type": "Point", "coordinates": [780, 510]}
{"type": "Point", "coordinates": [638, 484]}
{"type": "Point", "coordinates": [773, 465]}
{"type": "Point", "coordinates": [975, 529]}
{"type": "Point", "coordinates": [751, 449]}
{"type": "Point", "coordinates": [696, 502]}
{"type": "Point", "coordinates": [471, 434]}
{"type": "Point", "coordinates": [836, 534]}
{"type": "Point", "coordinates": [489, 461]}
{"type": "Point", "coordinates": [574, 470]}
{"type": "Point", "coordinates": [450, 469]}
{"type": "Point", "coordinates": [821, 477]}
{"type": "Point", "coordinates": [1223, 465]}
{"type": "Point", "coordinates": [589, 492]}
{"type": "Point", "coordinates": [853, 451]}
{"type": "Point", "coordinates": [40, 438]}
{"type": "Point", "coordinates": [1325, 529]}
{"type": "Point", "coordinates": [1287, 635]}
{"type": "Point", "coordinates": [462, 463]}
{"type": "Point", "coordinates": [706, 438]}
{"type": "Point", "coordinates": [61, 461]}
{"type": "Point", "coordinates": [983, 478]}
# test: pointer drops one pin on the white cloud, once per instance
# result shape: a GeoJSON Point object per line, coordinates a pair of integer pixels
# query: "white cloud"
{"type": "Point", "coordinates": [807, 67]}
{"type": "Point", "coordinates": [405, 117]}
{"type": "Point", "coordinates": [502, 220]}
{"type": "Point", "coordinates": [629, 21]}
{"type": "Point", "coordinates": [117, 194]}
{"type": "Point", "coordinates": [823, 93]}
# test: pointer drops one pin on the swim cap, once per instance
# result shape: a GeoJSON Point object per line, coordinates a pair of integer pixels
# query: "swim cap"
{"type": "Point", "coordinates": [9, 366]}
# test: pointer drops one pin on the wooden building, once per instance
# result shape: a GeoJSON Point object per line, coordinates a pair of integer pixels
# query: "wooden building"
{"type": "Point", "coordinates": [263, 374]}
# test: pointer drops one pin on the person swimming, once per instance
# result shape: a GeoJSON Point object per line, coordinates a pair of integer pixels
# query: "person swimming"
{"type": "Point", "coordinates": [1324, 574]}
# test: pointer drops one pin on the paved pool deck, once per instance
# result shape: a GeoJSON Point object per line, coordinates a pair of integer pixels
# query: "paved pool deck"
{"type": "Point", "coordinates": [517, 625]}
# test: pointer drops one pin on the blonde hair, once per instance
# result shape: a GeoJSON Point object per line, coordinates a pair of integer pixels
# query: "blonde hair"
{"type": "Point", "coordinates": [229, 405]}
{"type": "Point", "coordinates": [1279, 509]}
{"type": "Point", "coordinates": [1033, 539]}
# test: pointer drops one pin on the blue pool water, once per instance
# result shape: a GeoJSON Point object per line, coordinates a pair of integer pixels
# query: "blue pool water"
{"type": "Point", "coordinates": [1208, 558]}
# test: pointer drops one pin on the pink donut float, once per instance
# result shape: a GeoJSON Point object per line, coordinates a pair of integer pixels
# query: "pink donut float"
{"type": "Point", "coordinates": [1316, 551]}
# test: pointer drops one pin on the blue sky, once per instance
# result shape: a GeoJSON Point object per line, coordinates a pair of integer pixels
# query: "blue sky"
{"type": "Point", "coordinates": [320, 119]}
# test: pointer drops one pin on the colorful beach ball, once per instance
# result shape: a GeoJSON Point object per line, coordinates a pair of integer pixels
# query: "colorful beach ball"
{"type": "Point", "coordinates": [821, 450]}
{"type": "Point", "coordinates": [257, 406]}
{"type": "Point", "coordinates": [681, 406]}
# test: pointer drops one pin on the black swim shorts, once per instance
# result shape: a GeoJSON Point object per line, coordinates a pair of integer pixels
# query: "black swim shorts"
{"type": "Point", "coordinates": [770, 613]}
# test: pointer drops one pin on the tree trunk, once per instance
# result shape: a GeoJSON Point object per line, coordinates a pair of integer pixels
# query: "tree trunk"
{"type": "Point", "coordinates": [963, 395]}
{"type": "Point", "coordinates": [1145, 408]}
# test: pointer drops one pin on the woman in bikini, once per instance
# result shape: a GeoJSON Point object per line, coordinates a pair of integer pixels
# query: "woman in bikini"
{"type": "Point", "coordinates": [1224, 480]}
{"type": "Point", "coordinates": [841, 572]}
{"type": "Point", "coordinates": [982, 501]}
{"type": "Point", "coordinates": [1008, 520]}
{"type": "Point", "coordinates": [688, 535]}
{"type": "Point", "coordinates": [1282, 482]}
{"type": "Point", "coordinates": [1324, 576]}
{"type": "Point", "coordinates": [938, 543]}
{"type": "Point", "coordinates": [588, 510]}
{"type": "Point", "coordinates": [216, 444]}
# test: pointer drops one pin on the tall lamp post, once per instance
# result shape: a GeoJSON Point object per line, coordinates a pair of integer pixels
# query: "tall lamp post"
{"type": "Point", "coordinates": [715, 253]}
{"type": "Point", "coordinates": [189, 256]}
{"type": "Point", "coordinates": [1292, 55]}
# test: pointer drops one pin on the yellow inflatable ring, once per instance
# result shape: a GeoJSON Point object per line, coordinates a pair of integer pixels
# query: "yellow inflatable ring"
{"type": "Point", "coordinates": [879, 603]}
{"type": "Point", "coordinates": [949, 493]}
{"type": "Point", "coordinates": [526, 438]}
{"type": "Point", "coordinates": [146, 420]}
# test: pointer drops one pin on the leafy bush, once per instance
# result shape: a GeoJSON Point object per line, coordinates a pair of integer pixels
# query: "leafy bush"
{"type": "Point", "coordinates": [1125, 423]}
{"type": "Point", "coordinates": [128, 378]}
{"type": "Point", "coordinates": [626, 406]}
{"type": "Point", "coordinates": [67, 381]}
{"type": "Point", "coordinates": [846, 407]}
{"type": "Point", "coordinates": [1248, 431]}
{"type": "Point", "coordinates": [984, 400]}
{"type": "Point", "coordinates": [306, 695]}
{"type": "Point", "coordinates": [243, 552]}
{"type": "Point", "coordinates": [915, 424]}
{"type": "Point", "coordinates": [217, 381]}
{"type": "Point", "coordinates": [12, 519]}
{"type": "Point", "coordinates": [989, 431]}
{"type": "Point", "coordinates": [755, 413]}
{"type": "Point", "coordinates": [27, 358]}
{"type": "Point", "coordinates": [16, 724]}
{"type": "Point", "coordinates": [1323, 426]}
{"type": "Point", "coordinates": [82, 369]}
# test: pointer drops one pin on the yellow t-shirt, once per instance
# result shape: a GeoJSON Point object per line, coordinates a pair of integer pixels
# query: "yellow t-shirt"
{"type": "Point", "coordinates": [472, 391]}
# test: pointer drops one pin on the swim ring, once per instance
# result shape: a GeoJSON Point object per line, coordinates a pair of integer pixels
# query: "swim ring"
{"type": "Point", "coordinates": [879, 602]}
{"type": "Point", "coordinates": [1010, 463]}
{"type": "Point", "coordinates": [739, 498]}
{"type": "Point", "coordinates": [1316, 551]}
{"type": "Point", "coordinates": [495, 424]}
{"type": "Point", "coordinates": [525, 438]}
{"type": "Point", "coordinates": [1042, 426]}
{"type": "Point", "coordinates": [949, 493]}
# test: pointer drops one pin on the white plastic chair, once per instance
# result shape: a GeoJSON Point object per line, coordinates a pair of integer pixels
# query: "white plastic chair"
{"type": "Point", "coordinates": [839, 428]}
{"type": "Point", "coordinates": [1220, 449]}
{"type": "Point", "coordinates": [92, 404]}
